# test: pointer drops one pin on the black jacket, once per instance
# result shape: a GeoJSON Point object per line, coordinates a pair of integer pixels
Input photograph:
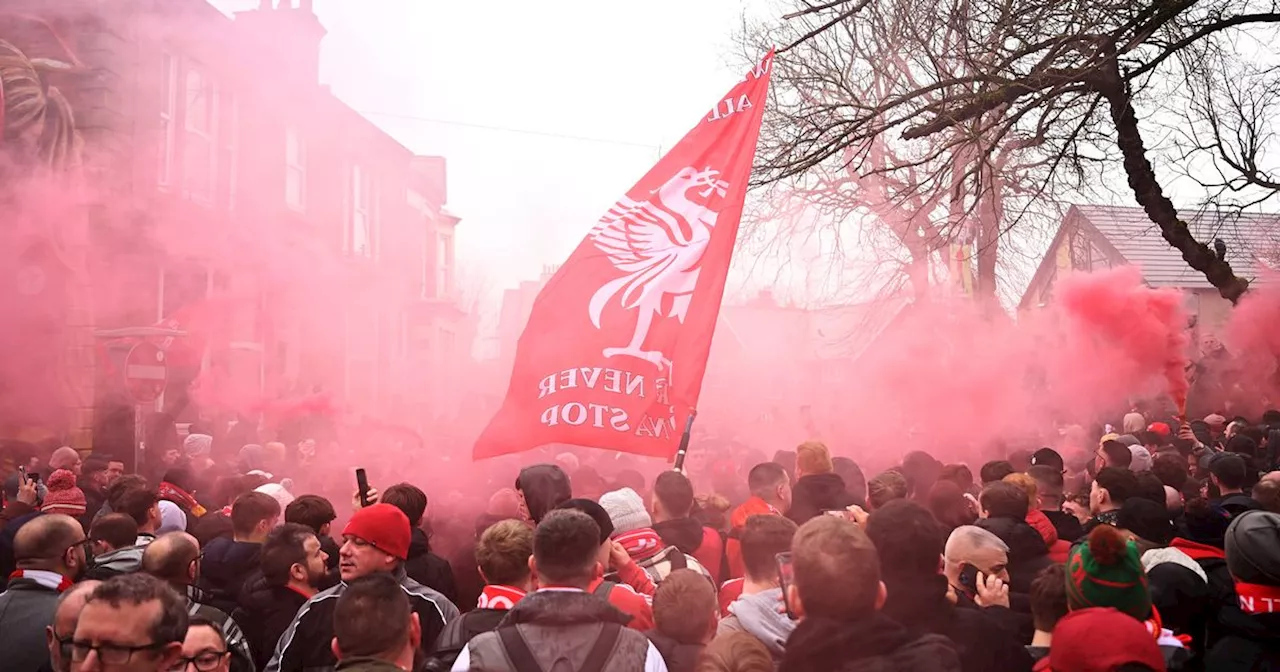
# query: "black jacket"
{"type": "Point", "coordinates": [874, 644]}
{"type": "Point", "coordinates": [428, 568]}
{"type": "Point", "coordinates": [211, 526]}
{"type": "Point", "coordinates": [683, 533]}
{"type": "Point", "coordinates": [816, 493]}
{"type": "Point", "coordinates": [679, 657]}
{"type": "Point", "coordinates": [1066, 525]}
{"type": "Point", "coordinates": [225, 567]}
{"type": "Point", "coordinates": [1028, 553]}
{"type": "Point", "coordinates": [305, 644]}
{"type": "Point", "coordinates": [331, 548]}
{"type": "Point", "coordinates": [1250, 643]}
{"type": "Point", "coordinates": [264, 614]}
{"type": "Point", "coordinates": [981, 640]}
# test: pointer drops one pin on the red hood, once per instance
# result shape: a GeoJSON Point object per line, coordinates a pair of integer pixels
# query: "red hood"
{"type": "Point", "coordinates": [1196, 550]}
{"type": "Point", "coordinates": [1042, 524]}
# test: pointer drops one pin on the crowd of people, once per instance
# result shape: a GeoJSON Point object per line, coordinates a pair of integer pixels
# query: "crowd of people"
{"type": "Point", "coordinates": [1152, 547]}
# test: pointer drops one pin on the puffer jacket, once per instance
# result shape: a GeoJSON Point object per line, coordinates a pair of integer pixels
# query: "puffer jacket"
{"type": "Point", "coordinates": [873, 644]}
{"type": "Point", "coordinates": [1028, 554]}
{"type": "Point", "coordinates": [1058, 548]}
{"type": "Point", "coordinates": [264, 612]}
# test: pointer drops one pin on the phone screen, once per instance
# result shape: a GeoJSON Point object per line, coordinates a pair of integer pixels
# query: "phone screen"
{"type": "Point", "coordinates": [362, 486]}
{"type": "Point", "coordinates": [786, 576]}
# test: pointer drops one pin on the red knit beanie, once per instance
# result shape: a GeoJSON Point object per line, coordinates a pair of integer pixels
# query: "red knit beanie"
{"type": "Point", "coordinates": [384, 526]}
{"type": "Point", "coordinates": [63, 496]}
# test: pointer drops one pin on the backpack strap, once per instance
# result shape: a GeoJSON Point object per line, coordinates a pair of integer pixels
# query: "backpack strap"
{"type": "Point", "coordinates": [604, 590]}
{"type": "Point", "coordinates": [603, 648]}
{"type": "Point", "coordinates": [522, 659]}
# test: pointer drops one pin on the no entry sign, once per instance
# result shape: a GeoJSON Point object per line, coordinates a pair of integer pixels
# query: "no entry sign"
{"type": "Point", "coordinates": [145, 373]}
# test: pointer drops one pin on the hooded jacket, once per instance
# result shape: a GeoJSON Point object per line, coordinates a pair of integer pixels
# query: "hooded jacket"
{"type": "Point", "coordinates": [264, 613]}
{"type": "Point", "coordinates": [873, 644]}
{"type": "Point", "coordinates": [1028, 554]}
{"type": "Point", "coordinates": [125, 560]}
{"type": "Point", "coordinates": [226, 565]}
{"type": "Point", "coordinates": [981, 642]}
{"type": "Point", "coordinates": [544, 486]}
{"type": "Point", "coordinates": [816, 493]}
{"type": "Point", "coordinates": [757, 615]}
{"type": "Point", "coordinates": [428, 568]}
{"type": "Point", "coordinates": [692, 538]}
{"type": "Point", "coordinates": [1058, 548]}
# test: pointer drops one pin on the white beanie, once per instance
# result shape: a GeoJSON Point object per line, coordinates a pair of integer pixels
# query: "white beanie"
{"type": "Point", "coordinates": [277, 492]}
{"type": "Point", "coordinates": [626, 510]}
{"type": "Point", "coordinates": [172, 519]}
{"type": "Point", "coordinates": [1141, 459]}
{"type": "Point", "coordinates": [196, 445]}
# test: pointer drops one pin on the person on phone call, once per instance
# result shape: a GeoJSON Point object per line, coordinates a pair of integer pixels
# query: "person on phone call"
{"type": "Point", "coordinates": [837, 597]}
{"type": "Point", "coordinates": [976, 564]}
{"type": "Point", "coordinates": [910, 543]}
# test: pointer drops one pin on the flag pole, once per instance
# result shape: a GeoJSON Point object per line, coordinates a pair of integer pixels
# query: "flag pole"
{"type": "Point", "coordinates": [684, 440]}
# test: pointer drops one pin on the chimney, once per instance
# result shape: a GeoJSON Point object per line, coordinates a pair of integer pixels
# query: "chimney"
{"type": "Point", "coordinates": [289, 33]}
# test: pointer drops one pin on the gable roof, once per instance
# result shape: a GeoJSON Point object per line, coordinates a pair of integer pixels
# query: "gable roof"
{"type": "Point", "coordinates": [1128, 236]}
{"type": "Point", "coordinates": [1249, 238]}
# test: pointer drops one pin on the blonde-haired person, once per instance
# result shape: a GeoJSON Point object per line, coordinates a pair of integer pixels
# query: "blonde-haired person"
{"type": "Point", "coordinates": [735, 652]}
{"type": "Point", "coordinates": [818, 488]}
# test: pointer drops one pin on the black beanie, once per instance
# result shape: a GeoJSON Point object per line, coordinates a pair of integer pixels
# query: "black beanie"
{"type": "Point", "coordinates": [1253, 548]}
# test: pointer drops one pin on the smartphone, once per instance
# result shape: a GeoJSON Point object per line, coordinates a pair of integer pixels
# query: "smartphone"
{"type": "Point", "coordinates": [786, 577]}
{"type": "Point", "coordinates": [362, 486]}
{"type": "Point", "coordinates": [22, 471]}
{"type": "Point", "coordinates": [969, 578]}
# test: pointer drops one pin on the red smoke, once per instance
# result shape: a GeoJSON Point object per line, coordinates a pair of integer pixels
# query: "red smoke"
{"type": "Point", "coordinates": [1144, 325]}
{"type": "Point", "coordinates": [1253, 336]}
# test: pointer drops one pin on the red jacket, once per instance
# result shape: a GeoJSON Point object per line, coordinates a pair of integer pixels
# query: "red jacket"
{"type": "Point", "coordinates": [628, 601]}
{"type": "Point", "coordinates": [1058, 548]}
{"type": "Point", "coordinates": [733, 549]}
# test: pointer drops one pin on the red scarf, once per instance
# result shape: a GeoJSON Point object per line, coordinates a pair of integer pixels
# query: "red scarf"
{"type": "Point", "coordinates": [180, 497]}
{"type": "Point", "coordinates": [1197, 551]}
{"type": "Point", "coordinates": [1257, 599]}
{"type": "Point", "coordinates": [502, 598]}
{"type": "Point", "coordinates": [50, 580]}
{"type": "Point", "coordinates": [641, 544]}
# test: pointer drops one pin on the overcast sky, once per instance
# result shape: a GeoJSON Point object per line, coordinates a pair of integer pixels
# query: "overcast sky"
{"type": "Point", "coordinates": [634, 76]}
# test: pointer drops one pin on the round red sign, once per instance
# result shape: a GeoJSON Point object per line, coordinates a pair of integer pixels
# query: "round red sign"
{"type": "Point", "coordinates": [145, 373]}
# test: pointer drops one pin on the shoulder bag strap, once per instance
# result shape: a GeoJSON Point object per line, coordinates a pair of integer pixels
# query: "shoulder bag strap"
{"type": "Point", "coordinates": [522, 659]}
{"type": "Point", "coordinates": [603, 649]}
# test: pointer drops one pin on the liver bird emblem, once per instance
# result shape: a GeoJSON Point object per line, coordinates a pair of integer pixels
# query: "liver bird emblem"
{"type": "Point", "coordinates": [658, 246]}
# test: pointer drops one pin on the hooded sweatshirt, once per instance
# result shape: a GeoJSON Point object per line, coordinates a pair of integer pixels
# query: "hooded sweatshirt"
{"type": "Point", "coordinates": [816, 493]}
{"type": "Point", "coordinates": [125, 560]}
{"type": "Point", "coordinates": [544, 486]}
{"type": "Point", "coordinates": [758, 616]}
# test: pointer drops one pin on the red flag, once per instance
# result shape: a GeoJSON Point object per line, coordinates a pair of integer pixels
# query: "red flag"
{"type": "Point", "coordinates": [616, 346]}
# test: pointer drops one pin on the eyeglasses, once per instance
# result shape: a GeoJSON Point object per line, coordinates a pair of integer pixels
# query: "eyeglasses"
{"type": "Point", "coordinates": [108, 653]}
{"type": "Point", "coordinates": [205, 661]}
{"type": "Point", "coordinates": [64, 646]}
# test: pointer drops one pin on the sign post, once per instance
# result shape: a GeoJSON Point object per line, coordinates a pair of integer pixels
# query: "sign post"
{"type": "Point", "coordinates": [145, 374]}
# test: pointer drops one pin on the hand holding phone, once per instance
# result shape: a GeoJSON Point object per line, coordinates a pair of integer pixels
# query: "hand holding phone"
{"type": "Point", "coordinates": [27, 493]}
{"type": "Point", "coordinates": [364, 495]}
{"type": "Point", "coordinates": [786, 577]}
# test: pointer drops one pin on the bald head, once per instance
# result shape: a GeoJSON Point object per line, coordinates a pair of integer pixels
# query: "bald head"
{"type": "Point", "coordinates": [969, 538]}
{"type": "Point", "coordinates": [70, 604]}
{"type": "Point", "coordinates": [1272, 476]}
{"type": "Point", "coordinates": [1172, 499]}
{"type": "Point", "coordinates": [66, 457]}
{"type": "Point", "coordinates": [43, 541]}
{"type": "Point", "coordinates": [170, 558]}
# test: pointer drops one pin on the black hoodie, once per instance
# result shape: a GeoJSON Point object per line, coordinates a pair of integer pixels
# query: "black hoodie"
{"type": "Point", "coordinates": [816, 493]}
{"type": "Point", "coordinates": [428, 568]}
{"type": "Point", "coordinates": [225, 567]}
{"type": "Point", "coordinates": [920, 603]}
{"type": "Point", "coordinates": [544, 486]}
{"type": "Point", "coordinates": [875, 644]}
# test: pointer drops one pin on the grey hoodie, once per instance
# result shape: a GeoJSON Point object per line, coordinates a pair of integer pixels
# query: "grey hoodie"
{"type": "Point", "coordinates": [758, 616]}
{"type": "Point", "coordinates": [125, 560]}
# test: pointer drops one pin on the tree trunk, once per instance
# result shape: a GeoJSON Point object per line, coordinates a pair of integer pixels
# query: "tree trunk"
{"type": "Point", "coordinates": [989, 209]}
{"type": "Point", "coordinates": [1149, 194]}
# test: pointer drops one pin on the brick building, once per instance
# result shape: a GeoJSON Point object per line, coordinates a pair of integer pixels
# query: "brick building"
{"type": "Point", "coordinates": [228, 194]}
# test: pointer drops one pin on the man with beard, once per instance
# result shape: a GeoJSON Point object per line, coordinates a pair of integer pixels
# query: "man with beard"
{"type": "Point", "coordinates": [50, 554]}
{"type": "Point", "coordinates": [293, 567]}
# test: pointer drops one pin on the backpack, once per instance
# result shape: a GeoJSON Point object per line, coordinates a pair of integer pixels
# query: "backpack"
{"type": "Point", "coordinates": [523, 660]}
